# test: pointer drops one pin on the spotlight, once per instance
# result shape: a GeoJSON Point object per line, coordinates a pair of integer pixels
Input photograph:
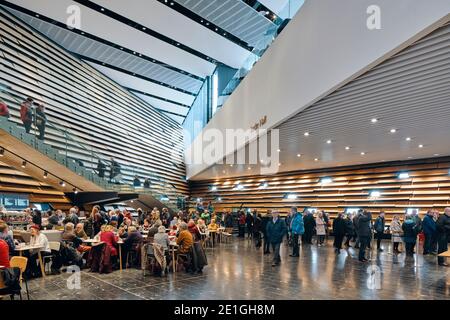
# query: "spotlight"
{"type": "Point", "coordinates": [45, 174]}
{"type": "Point", "coordinates": [75, 190]}
{"type": "Point", "coordinates": [347, 148]}
{"type": "Point", "coordinates": [62, 183]}
{"type": "Point", "coordinates": [306, 134]}
{"type": "Point", "coordinates": [2, 152]}
{"type": "Point", "coordinates": [24, 164]}
{"type": "Point", "coordinates": [328, 141]}
{"type": "Point", "coordinates": [374, 120]}
{"type": "Point", "coordinates": [403, 175]}
{"type": "Point", "coordinates": [326, 180]}
{"type": "Point", "coordinates": [408, 139]}
{"type": "Point", "coordinates": [393, 130]}
{"type": "Point", "coordinates": [420, 145]}
{"type": "Point", "coordinates": [363, 153]}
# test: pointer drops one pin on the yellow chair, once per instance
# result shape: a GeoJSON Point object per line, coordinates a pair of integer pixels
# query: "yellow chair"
{"type": "Point", "coordinates": [21, 263]}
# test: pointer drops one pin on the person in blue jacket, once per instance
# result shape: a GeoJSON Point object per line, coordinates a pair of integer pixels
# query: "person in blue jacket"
{"type": "Point", "coordinates": [429, 230]}
{"type": "Point", "coordinates": [297, 229]}
{"type": "Point", "coordinates": [276, 230]}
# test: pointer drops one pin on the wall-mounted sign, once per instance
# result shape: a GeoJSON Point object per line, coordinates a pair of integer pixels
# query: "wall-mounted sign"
{"type": "Point", "coordinates": [260, 123]}
{"type": "Point", "coordinates": [14, 201]}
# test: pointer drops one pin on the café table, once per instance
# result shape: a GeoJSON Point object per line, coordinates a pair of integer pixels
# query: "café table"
{"type": "Point", "coordinates": [22, 248]}
{"type": "Point", "coordinates": [97, 241]}
{"type": "Point", "coordinates": [173, 246]}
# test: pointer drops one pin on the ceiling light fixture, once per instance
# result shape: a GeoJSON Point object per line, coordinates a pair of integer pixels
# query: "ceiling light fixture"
{"type": "Point", "coordinates": [306, 134]}
{"type": "Point", "coordinates": [420, 145]}
{"type": "Point", "coordinates": [213, 188]}
{"type": "Point", "coordinates": [316, 159]}
{"type": "Point", "coordinates": [299, 155]}
{"type": "Point", "coordinates": [326, 180]}
{"type": "Point", "coordinates": [2, 152]}
{"type": "Point", "coordinates": [76, 191]}
{"type": "Point", "coordinates": [363, 153]}
{"type": "Point", "coordinates": [408, 139]}
{"type": "Point", "coordinates": [290, 196]}
{"type": "Point", "coordinates": [374, 120]}
{"type": "Point", "coordinates": [347, 148]}
{"type": "Point", "coordinates": [403, 175]}
{"type": "Point", "coordinates": [45, 174]}
{"type": "Point", "coordinates": [24, 164]}
{"type": "Point", "coordinates": [328, 141]}
{"type": "Point", "coordinates": [62, 183]}
{"type": "Point", "coordinates": [393, 130]}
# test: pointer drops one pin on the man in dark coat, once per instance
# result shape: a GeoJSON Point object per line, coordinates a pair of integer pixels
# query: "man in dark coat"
{"type": "Point", "coordinates": [339, 228]}
{"type": "Point", "coordinates": [364, 234]}
{"type": "Point", "coordinates": [443, 234]}
{"type": "Point", "coordinates": [349, 230]}
{"type": "Point", "coordinates": [276, 230]}
{"type": "Point", "coordinates": [379, 229]}
{"type": "Point", "coordinates": [264, 222]}
{"type": "Point", "coordinates": [429, 230]}
{"type": "Point", "coordinates": [249, 223]}
{"type": "Point", "coordinates": [257, 228]}
{"type": "Point", "coordinates": [309, 223]}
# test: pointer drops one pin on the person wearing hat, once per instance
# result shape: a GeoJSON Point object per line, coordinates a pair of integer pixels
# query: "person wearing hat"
{"type": "Point", "coordinates": [40, 240]}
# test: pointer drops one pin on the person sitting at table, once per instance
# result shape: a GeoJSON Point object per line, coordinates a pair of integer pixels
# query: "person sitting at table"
{"type": "Point", "coordinates": [53, 220]}
{"type": "Point", "coordinates": [201, 225]}
{"type": "Point", "coordinates": [162, 238]}
{"type": "Point", "coordinates": [69, 235]}
{"type": "Point", "coordinates": [185, 239]}
{"type": "Point", "coordinates": [173, 231]}
{"type": "Point", "coordinates": [37, 239]}
{"type": "Point", "coordinates": [107, 236]}
{"type": "Point", "coordinates": [194, 230]}
{"type": "Point", "coordinates": [146, 226]}
{"type": "Point", "coordinates": [4, 254]}
{"type": "Point", "coordinates": [154, 229]}
{"type": "Point", "coordinates": [213, 226]}
{"type": "Point", "coordinates": [125, 224]}
{"type": "Point", "coordinates": [79, 231]}
{"type": "Point", "coordinates": [5, 236]}
{"type": "Point", "coordinates": [174, 222]}
{"type": "Point", "coordinates": [122, 233]}
{"type": "Point", "coordinates": [131, 243]}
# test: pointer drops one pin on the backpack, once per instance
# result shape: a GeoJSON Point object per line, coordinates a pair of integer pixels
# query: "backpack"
{"type": "Point", "coordinates": [11, 278]}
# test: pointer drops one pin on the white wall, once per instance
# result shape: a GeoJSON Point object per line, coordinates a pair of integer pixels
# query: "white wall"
{"type": "Point", "coordinates": [326, 45]}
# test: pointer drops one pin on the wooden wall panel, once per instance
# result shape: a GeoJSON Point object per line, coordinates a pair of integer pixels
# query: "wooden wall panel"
{"type": "Point", "coordinates": [427, 187]}
{"type": "Point", "coordinates": [94, 110]}
{"type": "Point", "coordinates": [14, 181]}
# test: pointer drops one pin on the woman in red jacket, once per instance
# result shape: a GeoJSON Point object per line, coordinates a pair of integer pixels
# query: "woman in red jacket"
{"type": "Point", "coordinates": [26, 114]}
{"type": "Point", "coordinates": [108, 237]}
{"type": "Point", "coordinates": [4, 254]}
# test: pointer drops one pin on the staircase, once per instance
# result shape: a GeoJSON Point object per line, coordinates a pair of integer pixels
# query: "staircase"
{"type": "Point", "coordinates": [66, 173]}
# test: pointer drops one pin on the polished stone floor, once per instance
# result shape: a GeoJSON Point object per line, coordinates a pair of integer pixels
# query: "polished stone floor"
{"type": "Point", "coordinates": [238, 271]}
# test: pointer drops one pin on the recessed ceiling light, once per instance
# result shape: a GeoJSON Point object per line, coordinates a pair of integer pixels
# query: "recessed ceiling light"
{"type": "Point", "coordinates": [374, 120]}
{"type": "Point", "coordinates": [144, 28]}
{"type": "Point", "coordinates": [408, 139]}
{"type": "Point", "coordinates": [217, 29]}
{"type": "Point", "coordinates": [103, 9]}
{"type": "Point", "coordinates": [393, 130]}
{"type": "Point", "coordinates": [347, 148]}
{"type": "Point", "coordinates": [328, 141]}
{"type": "Point", "coordinates": [24, 164]}
{"type": "Point", "coordinates": [278, 150]}
{"type": "Point", "coordinates": [306, 134]}
{"type": "Point", "coordinates": [299, 155]}
{"type": "Point", "coordinates": [316, 159]}
{"type": "Point", "coordinates": [363, 153]}
{"type": "Point", "coordinates": [279, 164]}
{"type": "Point", "coordinates": [420, 145]}
{"type": "Point", "coordinates": [249, 168]}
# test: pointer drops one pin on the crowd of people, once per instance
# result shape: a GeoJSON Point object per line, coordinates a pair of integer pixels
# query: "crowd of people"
{"type": "Point", "coordinates": [186, 230]}
{"type": "Point", "coordinates": [358, 228]}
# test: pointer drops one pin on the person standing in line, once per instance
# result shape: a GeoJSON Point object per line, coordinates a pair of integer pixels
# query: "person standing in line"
{"type": "Point", "coordinates": [379, 230]}
{"type": "Point", "coordinates": [309, 223]}
{"type": "Point", "coordinates": [41, 120]}
{"type": "Point", "coordinates": [276, 230]}
{"type": "Point", "coordinates": [429, 231]}
{"type": "Point", "coordinates": [26, 114]}
{"type": "Point", "coordinates": [349, 230]}
{"type": "Point", "coordinates": [298, 229]}
{"type": "Point", "coordinates": [410, 231]}
{"type": "Point", "coordinates": [249, 223]}
{"type": "Point", "coordinates": [443, 234]}
{"type": "Point", "coordinates": [241, 223]}
{"type": "Point", "coordinates": [265, 220]}
{"type": "Point", "coordinates": [257, 228]}
{"type": "Point", "coordinates": [320, 229]}
{"type": "Point", "coordinates": [364, 233]}
{"type": "Point", "coordinates": [4, 111]}
{"type": "Point", "coordinates": [326, 219]}
{"type": "Point", "coordinates": [396, 233]}
{"type": "Point", "coordinates": [356, 217]}
{"type": "Point", "coordinates": [339, 230]}
{"type": "Point", "coordinates": [288, 220]}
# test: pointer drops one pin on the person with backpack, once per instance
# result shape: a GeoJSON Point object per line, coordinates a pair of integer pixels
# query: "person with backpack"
{"type": "Point", "coordinates": [297, 228]}
{"type": "Point", "coordinates": [26, 114]}
{"type": "Point", "coordinates": [339, 230]}
{"type": "Point", "coordinates": [410, 232]}
{"type": "Point", "coordinates": [379, 230]}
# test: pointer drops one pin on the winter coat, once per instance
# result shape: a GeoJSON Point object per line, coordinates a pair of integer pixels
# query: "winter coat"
{"type": "Point", "coordinates": [396, 231]}
{"type": "Point", "coordinates": [339, 226]}
{"type": "Point", "coordinates": [410, 231]}
{"type": "Point", "coordinates": [320, 227]}
{"type": "Point", "coordinates": [363, 225]}
{"type": "Point", "coordinates": [349, 227]}
{"type": "Point", "coordinates": [379, 225]}
{"type": "Point", "coordinates": [276, 231]}
{"type": "Point", "coordinates": [297, 225]}
{"type": "Point", "coordinates": [429, 225]}
{"type": "Point", "coordinates": [309, 222]}
{"type": "Point", "coordinates": [443, 228]}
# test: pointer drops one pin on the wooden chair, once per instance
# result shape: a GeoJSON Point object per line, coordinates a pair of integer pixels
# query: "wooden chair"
{"type": "Point", "coordinates": [21, 263]}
